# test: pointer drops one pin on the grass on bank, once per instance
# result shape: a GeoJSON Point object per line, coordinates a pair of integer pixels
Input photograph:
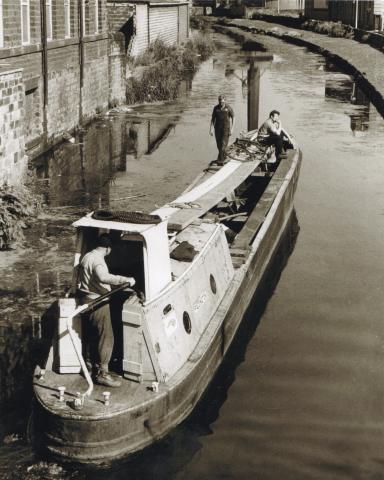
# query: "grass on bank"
{"type": "Point", "coordinates": [17, 206]}
{"type": "Point", "coordinates": [164, 67]}
{"type": "Point", "coordinates": [333, 29]}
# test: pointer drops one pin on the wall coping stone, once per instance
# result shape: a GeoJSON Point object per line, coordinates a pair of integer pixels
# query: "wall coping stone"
{"type": "Point", "coordinates": [5, 70]}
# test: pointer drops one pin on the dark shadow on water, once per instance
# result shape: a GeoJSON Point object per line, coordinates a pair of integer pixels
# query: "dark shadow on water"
{"type": "Point", "coordinates": [169, 457]}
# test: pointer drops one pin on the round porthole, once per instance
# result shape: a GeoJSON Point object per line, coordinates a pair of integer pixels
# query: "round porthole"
{"type": "Point", "coordinates": [187, 322]}
{"type": "Point", "coordinates": [212, 282]}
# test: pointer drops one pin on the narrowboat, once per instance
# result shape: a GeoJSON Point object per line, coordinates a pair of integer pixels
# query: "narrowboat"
{"type": "Point", "coordinates": [197, 262]}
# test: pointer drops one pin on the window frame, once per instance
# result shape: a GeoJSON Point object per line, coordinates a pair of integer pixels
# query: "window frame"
{"type": "Point", "coordinates": [48, 20]}
{"type": "Point", "coordinates": [83, 20]}
{"type": "Point", "coordinates": [97, 26]}
{"type": "Point", "coordinates": [25, 3]}
{"type": "Point", "coordinates": [67, 18]}
{"type": "Point", "coordinates": [1, 25]}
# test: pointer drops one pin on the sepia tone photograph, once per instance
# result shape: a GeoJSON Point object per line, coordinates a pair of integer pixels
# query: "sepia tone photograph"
{"type": "Point", "coordinates": [191, 227]}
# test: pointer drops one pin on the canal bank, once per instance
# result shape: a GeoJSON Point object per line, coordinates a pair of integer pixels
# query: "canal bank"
{"type": "Point", "coordinates": [362, 61]}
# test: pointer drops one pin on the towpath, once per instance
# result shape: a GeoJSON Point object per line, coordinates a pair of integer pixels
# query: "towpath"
{"type": "Point", "coordinates": [360, 59]}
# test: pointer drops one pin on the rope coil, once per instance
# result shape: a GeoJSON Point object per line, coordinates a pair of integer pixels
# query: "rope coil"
{"type": "Point", "coordinates": [126, 217]}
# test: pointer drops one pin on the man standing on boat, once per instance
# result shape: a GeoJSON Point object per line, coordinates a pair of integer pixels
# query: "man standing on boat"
{"type": "Point", "coordinates": [272, 133]}
{"type": "Point", "coordinates": [95, 280]}
{"type": "Point", "coordinates": [222, 120]}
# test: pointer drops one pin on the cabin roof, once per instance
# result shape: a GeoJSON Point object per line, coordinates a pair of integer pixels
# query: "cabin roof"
{"type": "Point", "coordinates": [88, 221]}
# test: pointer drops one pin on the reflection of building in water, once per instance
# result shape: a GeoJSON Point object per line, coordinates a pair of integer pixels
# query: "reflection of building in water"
{"type": "Point", "coordinates": [360, 118]}
{"type": "Point", "coordinates": [339, 87]}
{"type": "Point", "coordinates": [342, 88]}
{"type": "Point", "coordinates": [144, 137]}
{"type": "Point", "coordinates": [185, 86]}
{"type": "Point", "coordinates": [80, 173]}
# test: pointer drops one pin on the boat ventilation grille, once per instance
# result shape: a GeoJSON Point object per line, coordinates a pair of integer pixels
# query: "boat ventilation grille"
{"type": "Point", "coordinates": [212, 282]}
{"type": "Point", "coordinates": [187, 322]}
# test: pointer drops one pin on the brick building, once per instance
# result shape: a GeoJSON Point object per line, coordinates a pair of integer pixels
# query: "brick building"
{"type": "Point", "coordinates": [63, 49]}
{"type": "Point", "coordinates": [144, 21]}
{"type": "Point", "coordinates": [362, 14]}
{"type": "Point", "coordinates": [70, 60]}
{"type": "Point", "coordinates": [283, 5]}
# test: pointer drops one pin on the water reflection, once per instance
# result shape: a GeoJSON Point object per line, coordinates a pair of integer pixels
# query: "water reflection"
{"type": "Point", "coordinates": [82, 174]}
{"type": "Point", "coordinates": [343, 88]}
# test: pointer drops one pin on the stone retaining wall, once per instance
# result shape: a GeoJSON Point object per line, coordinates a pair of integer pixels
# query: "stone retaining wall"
{"type": "Point", "coordinates": [12, 157]}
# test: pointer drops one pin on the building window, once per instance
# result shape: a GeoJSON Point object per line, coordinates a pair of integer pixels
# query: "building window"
{"type": "Point", "coordinates": [67, 18]}
{"type": "Point", "coordinates": [25, 23]}
{"type": "Point", "coordinates": [1, 25]}
{"type": "Point", "coordinates": [48, 15]}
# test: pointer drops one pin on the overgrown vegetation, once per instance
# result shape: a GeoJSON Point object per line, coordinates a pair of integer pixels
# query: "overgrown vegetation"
{"type": "Point", "coordinates": [164, 67]}
{"type": "Point", "coordinates": [333, 29]}
{"type": "Point", "coordinates": [17, 205]}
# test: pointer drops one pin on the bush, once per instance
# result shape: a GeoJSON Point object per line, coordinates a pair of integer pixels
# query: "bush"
{"type": "Point", "coordinates": [156, 52]}
{"type": "Point", "coordinates": [166, 66]}
{"type": "Point", "coordinates": [16, 205]}
{"type": "Point", "coordinates": [203, 45]}
{"type": "Point", "coordinates": [333, 29]}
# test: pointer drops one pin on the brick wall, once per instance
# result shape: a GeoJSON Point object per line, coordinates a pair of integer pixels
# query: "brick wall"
{"type": "Point", "coordinates": [118, 15]}
{"type": "Point", "coordinates": [12, 157]}
{"type": "Point", "coordinates": [63, 90]}
{"type": "Point", "coordinates": [117, 69]}
{"type": "Point", "coordinates": [12, 22]}
{"type": "Point", "coordinates": [103, 63]}
{"type": "Point", "coordinates": [95, 93]}
{"type": "Point", "coordinates": [33, 86]}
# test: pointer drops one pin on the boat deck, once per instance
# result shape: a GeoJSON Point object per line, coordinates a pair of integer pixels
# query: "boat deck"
{"type": "Point", "coordinates": [206, 198]}
{"type": "Point", "coordinates": [122, 398]}
{"type": "Point", "coordinates": [195, 235]}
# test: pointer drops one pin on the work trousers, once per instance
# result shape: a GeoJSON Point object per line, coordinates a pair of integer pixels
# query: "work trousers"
{"type": "Point", "coordinates": [277, 140]}
{"type": "Point", "coordinates": [97, 335]}
{"type": "Point", "coordinates": [222, 138]}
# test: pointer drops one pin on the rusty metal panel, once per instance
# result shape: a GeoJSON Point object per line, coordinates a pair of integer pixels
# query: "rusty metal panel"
{"type": "Point", "coordinates": [163, 24]}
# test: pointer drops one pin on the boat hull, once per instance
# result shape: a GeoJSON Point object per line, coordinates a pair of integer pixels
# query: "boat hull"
{"type": "Point", "coordinates": [110, 437]}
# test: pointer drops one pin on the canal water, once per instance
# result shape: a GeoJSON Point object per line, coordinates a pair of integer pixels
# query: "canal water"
{"type": "Point", "coordinates": [300, 395]}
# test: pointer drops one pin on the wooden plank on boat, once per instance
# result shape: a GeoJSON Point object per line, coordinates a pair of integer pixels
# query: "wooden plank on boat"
{"type": "Point", "coordinates": [285, 165]}
{"type": "Point", "coordinates": [237, 262]}
{"type": "Point", "coordinates": [184, 217]}
{"type": "Point", "coordinates": [257, 217]}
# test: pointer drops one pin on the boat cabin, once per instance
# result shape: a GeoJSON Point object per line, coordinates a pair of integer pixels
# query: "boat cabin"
{"type": "Point", "coordinates": [139, 251]}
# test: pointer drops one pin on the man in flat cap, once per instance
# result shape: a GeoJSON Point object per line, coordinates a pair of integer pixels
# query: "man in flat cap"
{"type": "Point", "coordinates": [222, 120]}
{"type": "Point", "coordinates": [94, 281]}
